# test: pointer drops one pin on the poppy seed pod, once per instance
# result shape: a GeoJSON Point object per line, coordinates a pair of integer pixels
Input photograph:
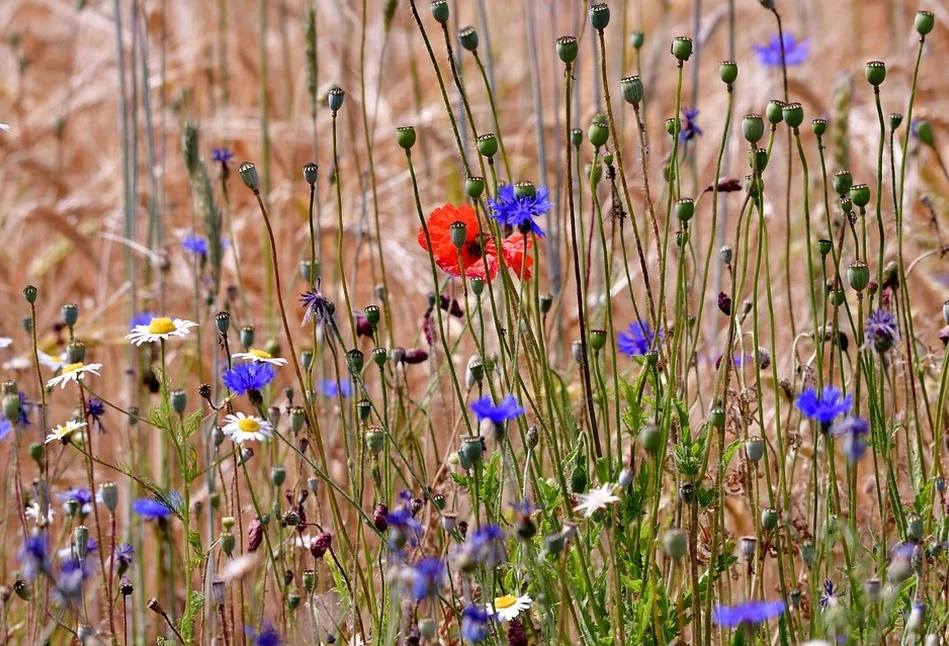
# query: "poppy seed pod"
{"type": "Point", "coordinates": [754, 449]}
{"type": "Point", "coordinates": [824, 247]}
{"type": "Point", "coordinates": [716, 417]}
{"type": "Point", "coordinates": [675, 543]}
{"type": "Point", "coordinates": [819, 126]}
{"type": "Point", "coordinates": [632, 88]}
{"type": "Point", "coordinates": [223, 321]}
{"type": "Point", "coordinates": [685, 209]}
{"type": "Point", "coordinates": [672, 126]}
{"type": "Point", "coordinates": [752, 127]}
{"type": "Point", "coordinates": [924, 22]}
{"type": "Point", "coordinates": [525, 190]}
{"type": "Point", "coordinates": [769, 519]}
{"type": "Point", "coordinates": [567, 49]}
{"type": "Point", "coordinates": [335, 98]}
{"type": "Point", "coordinates": [355, 361]}
{"type": "Point", "coordinates": [468, 38]}
{"type": "Point", "coordinates": [375, 440]}
{"type": "Point", "coordinates": [248, 173]}
{"type": "Point", "coordinates": [728, 71]}
{"type": "Point", "coordinates": [924, 131]}
{"type": "Point", "coordinates": [858, 275]}
{"type": "Point", "coordinates": [576, 137]}
{"type": "Point", "coordinates": [896, 119]}
{"type": "Point", "coordinates": [726, 254]}
{"type": "Point", "coordinates": [860, 194]}
{"type": "Point", "coordinates": [248, 333]}
{"type": "Point", "coordinates": [11, 407]}
{"type": "Point", "coordinates": [597, 339]}
{"type": "Point", "coordinates": [681, 48]}
{"type": "Point", "coordinates": [76, 352]}
{"type": "Point", "coordinates": [458, 232]}
{"type": "Point", "coordinates": [843, 180]}
{"type": "Point", "coordinates": [876, 73]}
{"type": "Point", "coordinates": [599, 132]}
{"type": "Point", "coordinates": [636, 39]}
{"type": "Point", "coordinates": [747, 546]}
{"type": "Point", "coordinates": [179, 401]}
{"type": "Point", "coordinates": [70, 313]}
{"type": "Point", "coordinates": [405, 136]}
{"type": "Point", "coordinates": [651, 437]}
{"type": "Point", "coordinates": [600, 16]}
{"type": "Point", "coordinates": [758, 160]}
{"type": "Point", "coordinates": [774, 112]}
{"type": "Point", "coordinates": [793, 114]}
{"type": "Point", "coordinates": [379, 356]}
{"type": "Point", "coordinates": [487, 145]}
{"type": "Point", "coordinates": [440, 11]}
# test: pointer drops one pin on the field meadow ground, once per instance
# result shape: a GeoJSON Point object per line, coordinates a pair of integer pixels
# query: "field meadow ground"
{"type": "Point", "coordinates": [528, 322]}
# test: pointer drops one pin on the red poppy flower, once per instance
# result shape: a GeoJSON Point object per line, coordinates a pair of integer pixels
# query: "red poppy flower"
{"type": "Point", "coordinates": [478, 255]}
{"type": "Point", "coordinates": [513, 250]}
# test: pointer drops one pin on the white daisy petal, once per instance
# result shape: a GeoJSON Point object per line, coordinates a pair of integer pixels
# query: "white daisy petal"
{"type": "Point", "coordinates": [5, 342]}
{"type": "Point", "coordinates": [260, 356]}
{"type": "Point", "coordinates": [64, 431]}
{"type": "Point", "coordinates": [160, 329]}
{"type": "Point", "coordinates": [596, 499]}
{"type": "Point", "coordinates": [73, 372]}
{"type": "Point", "coordinates": [246, 428]}
{"type": "Point", "coordinates": [509, 607]}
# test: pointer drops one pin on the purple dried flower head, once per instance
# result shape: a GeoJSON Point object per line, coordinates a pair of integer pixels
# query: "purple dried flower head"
{"type": "Point", "coordinates": [795, 51]}
{"type": "Point", "coordinates": [830, 596]}
{"type": "Point", "coordinates": [515, 634]}
{"type": "Point", "coordinates": [379, 517]}
{"type": "Point", "coordinates": [321, 544]}
{"type": "Point", "coordinates": [221, 155]}
{"type": "Point", "coordinates": [363, 326]}
{"type": "Point", "coordinates": [315, 306]}
{"type": "Point", "coordinates": [725, 303]}
{"type": "Point", "coordinates": [882, 330]}
{"type": "Point", "coordinates": [413, 356]}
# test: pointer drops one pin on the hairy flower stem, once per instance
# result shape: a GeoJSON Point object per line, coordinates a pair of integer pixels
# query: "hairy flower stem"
{"type": "Point", "coordinates": [494, 115]}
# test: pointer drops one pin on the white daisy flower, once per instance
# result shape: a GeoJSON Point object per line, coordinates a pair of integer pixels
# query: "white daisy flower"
{"type": "Point", "coordinates": [259, 356]}
{"type": "Point", "coordinates": [18, 364]}
{"type": "Point", "coordinates": [33, 512]}
{"type": "Point", "coordinates": [509, 607]}
{"type": "Point", "coordinates": [160, 329]}
{"type": "Point", "coordinates": [242, 428]}
{"type": "Point", "coordinates": [5, 342]}
{"type": "Point", "coordinates": [51, 362]}
{"type": "Point", "coordinates": [597, 499]}
{"type": "Point", "coordinates": [73, 372]}
{"type": "Point", "coordinates": [64, 432]}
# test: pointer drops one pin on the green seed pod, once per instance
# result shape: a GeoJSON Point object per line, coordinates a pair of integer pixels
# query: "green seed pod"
{"type": "Point", "coordinates": [758, 160]}
{"type": "Point", "coordinates": [248, 334]}
{"type": "Point", "coordinates": [546, 302]}
{"type": "Point", "coordinates": [793, 114]}
{"type": "Point", "coordinates": [876, 73]}
{"type": "Point", "coordinates": [608, 158]}
{"type": "Point", "coordinates": [70, 312]}
{"type": "Point", "coordinates": [76, 352]}
{"type": "Point", "coordinates": [675, 543]}
{"type": "Point", "coordinates": [278, 475]}
{"type": "Point", "coordinates": [364, 407]}
{"type": "Point", "coordinates": [373, 314]}
{"type": "Point", "coordinates": [843, 181]}
{"type": "Point", "coordinates": [109, 495]}
{"type": "Point", "coordinates": [472, 450]}
{"type": "Point", "coordinates": [636, 39]}
{"type": "Point", "coordinates": [36, 452]}
{"type": "Point", "coordinates": [379, 356]}
{"type": "Point", "coordinates": [924, 132]}
{"type": "Point", "coordinates": [725, 253]}
{"type": "Point", "coordinates": [22, 589]}
{"type": "Point", "coordinates": [925, 22]}
{"type": "Point", "coordinates": [576, 137]}
{"type": "Point", "coordinates": [819, 126]}
{"type": "Point", "coordinates": [597, 339]}
{"type": "Point", "coordinates": [579, 478]}
{"type": "Point", "coordinates": [525, 190]}
{"type": "Point", "coordinates": [309, 581]}
{"type": "Point", "coordinates": [914, 527]}
{"type": "Point", "coordinates": [567, 49]}
{"type": "Point", "coordinates": [769, 519]}
{"type": "Point", "coordinates": [599, 131]}
{"type": "Point", "coordinates": [297, 419]}
{"type": "Point", "coordinates": [458, 232]}
{"type": "Point", "coordinates": [468, 38]}
{"type": "Point", "coordinates": [754, 186]}
{"type": "Point", "coordinates": [650, 437]}
{"type": "Point", "coordinates": [632, 88]}
{"type": "Point", "coordinates": [752, 127]}
{"type": "Point", "coordinates": [335, 98]}
{"type": "Point", "coordinates": [248, 173]}
{"type": "Point", "coordinates": [440, 11]}
{"type": "Point", "coordinates": [179, 401]}
{"type": "Point", "coordinates": [310, 172]}
{"type": "Point", "coordinates": [774, 112]}
{"type": "Point", "coordinates": [227, 542]}
{"type": "Point", "coordinates": [406, 137]}
{"type": "Point", "coordinates": [600, 16]}
{"type": "Point", "coordinates": [355, 360]}
{"type": "Point", "coordinates": [754, 449]}
{"type": "Point", "coordinates": [477, 286]}
{"type": "Point", "coordinates": [375, 440]}
{"type": "Point", "coordinates": [685, 209]}
{"type": "Point", "coordinates": [837, 297]}
{"type": "Point", "coordinates": [716, 417]}
{"type": "Point", "coordinates": [487, 144]}
{"type": "Point", "coordinates": [824, 247]}
{"type": "Point", "coordinates": [860, 194]}
{"type": "Point", "coordinates": [896, 119]}
{"type": "Point", "coordinates": [223, 321]}
{"type": "Point", "coordinates": [858, 275]}
{"type": "Point", "coordinates": [672, 127]}
{"type": "Point", "coordinates": [767, 4]}
{"type": "Point", "coordinates": [11, 407]}
{"type": "Point", "coordinates": [29, 293]}
{"type": "Point", "coordinates": [728, 72]}
{"type": "Point", "coordinates": [681, 48]}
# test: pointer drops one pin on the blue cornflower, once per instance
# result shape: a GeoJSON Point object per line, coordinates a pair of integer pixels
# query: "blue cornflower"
{"type": "Point", "coordinates": [221, 155]}
{"type": "Point", "coordinates": [637, 340]}
{"type": "Point", "coordinates": [68, 586]}
{"type": "Point", "coordinates": [26, 409]}
{"type": "Point", "coordinates": [523, 508]}
{"type": "Point", "coordinates": [122, 557]}
{"type": "Point", "coordinates": [520, 212]}
{"type": "Point", "coordinates": [474, 624]}
{"type": "Point", "coordinates": [691, 129]}
{"type": "Point", "coordinates": [95, 409]}
{"type": "Point", "coordinates": [316, 306]}
{"type": "Point", "coordinates": [854, 431]}
{"type": "Point", "coordinates": [882, 330]}
{"type": "Point", "coordinates": [507, 410]}
{"type": "Point", "coordinates": [426, 577]}
{"type": "Point", "coordinates": [151, 509]}
{"type": "Point", "coordinates": [333, 389]}
{"type": "Point", "coordinates": [795, 51]}
{"type": "Point", "coordinates": [268, 635]}
{"type": "Point", "coordinates": [249, 376]}
{"type": "Point", "coordinates": [80, 495]}
{"type": "Point", "coordinates": [198, 245]}
{"type": "Point", "coordinates": [831, 594]}
{"type": "Point", "coordinates": [825, 407]}
{"type": "Point", "coordinates": [5, 427]}
{"type": "Point", "coordinates": [142, 318]}
{"type": "Point", "coordinates": [403, 528]}
{"type": "Point", "coordinates": [488, 544]}
{"type": "Point", "coordinates": [34, 556]}
{"type": "Point", "coordinates": [750, 612]}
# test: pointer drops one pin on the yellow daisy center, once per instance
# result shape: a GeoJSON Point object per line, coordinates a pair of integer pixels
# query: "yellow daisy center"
{"type": "Point", "coordinates": [161, 325]}
{"type": "Point", "coordinates": [260, 354]}
{"type": "Point", "coordinates": [506, 601]}
{"type": "Point", "coordinates": [73, 367]}
{"type": "Point", "coordinates": [248, 425]}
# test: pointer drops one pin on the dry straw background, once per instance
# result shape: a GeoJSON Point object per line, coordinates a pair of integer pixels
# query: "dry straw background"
{"type": "Point", "coordinates": [61, 197]}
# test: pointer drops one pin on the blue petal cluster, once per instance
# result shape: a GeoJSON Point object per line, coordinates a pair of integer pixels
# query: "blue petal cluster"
{"type": "Point", "coordinates": [249, 375]}
{"type": "Point", "coordinates": [750, 612]}
{"type": "Point", "coordinates": [507, 410]}
{"type": "Point", "coordinates": [520, 212]}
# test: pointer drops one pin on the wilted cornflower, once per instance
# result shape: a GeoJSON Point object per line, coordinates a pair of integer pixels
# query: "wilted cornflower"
{"type": "Point", "coordinates": [34, 557]}
{"type": "Point", "coordinates": [691, 129]}
{"type": "Point", "coordinates": [637, 340]}
{"type": "Point", "coordinates": [425, 578]}
{"type": "Point", "coordinates": [795, 51]}
{"type": "Point", "coordinates": [81, 496]}
{"type": "Point", "coordinates": [507, 410]}
{"type": "Point", "coordinates": [315, 306]}
{"type": "Point", "coordinates": [198, 245]}
{"type": "Point", "coordinates": [854, 431]}
{"type": "Point", "coordinates": [882, 330]}
{"type": "Point", "coordinates": [403, 528]}
{"type": "Point", "coordinates": [122, 558]}
{"type": "Point", "coordinates": [26, 409]}
{"type": "Point", "coordinates": [249, 376]}
{"type": "Point", "coordinates": [474, 624]}
{"type": "Point", "coordinates": [520, 212]}
{"type": "Point", "coordinates": [221, 156]}
{"type": "Point", "coordinates": [268, 635]}
{"type": "Point", "coordinates": [68, 585]}
{"type": "Point", "coordinates": [95, 410]}
{"type": "Point", "coordinates": [824, 407]}
{"type": "Point", "coordinates": [831, 594]}
{"type": "Point", "coordinates": [750, 612]}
